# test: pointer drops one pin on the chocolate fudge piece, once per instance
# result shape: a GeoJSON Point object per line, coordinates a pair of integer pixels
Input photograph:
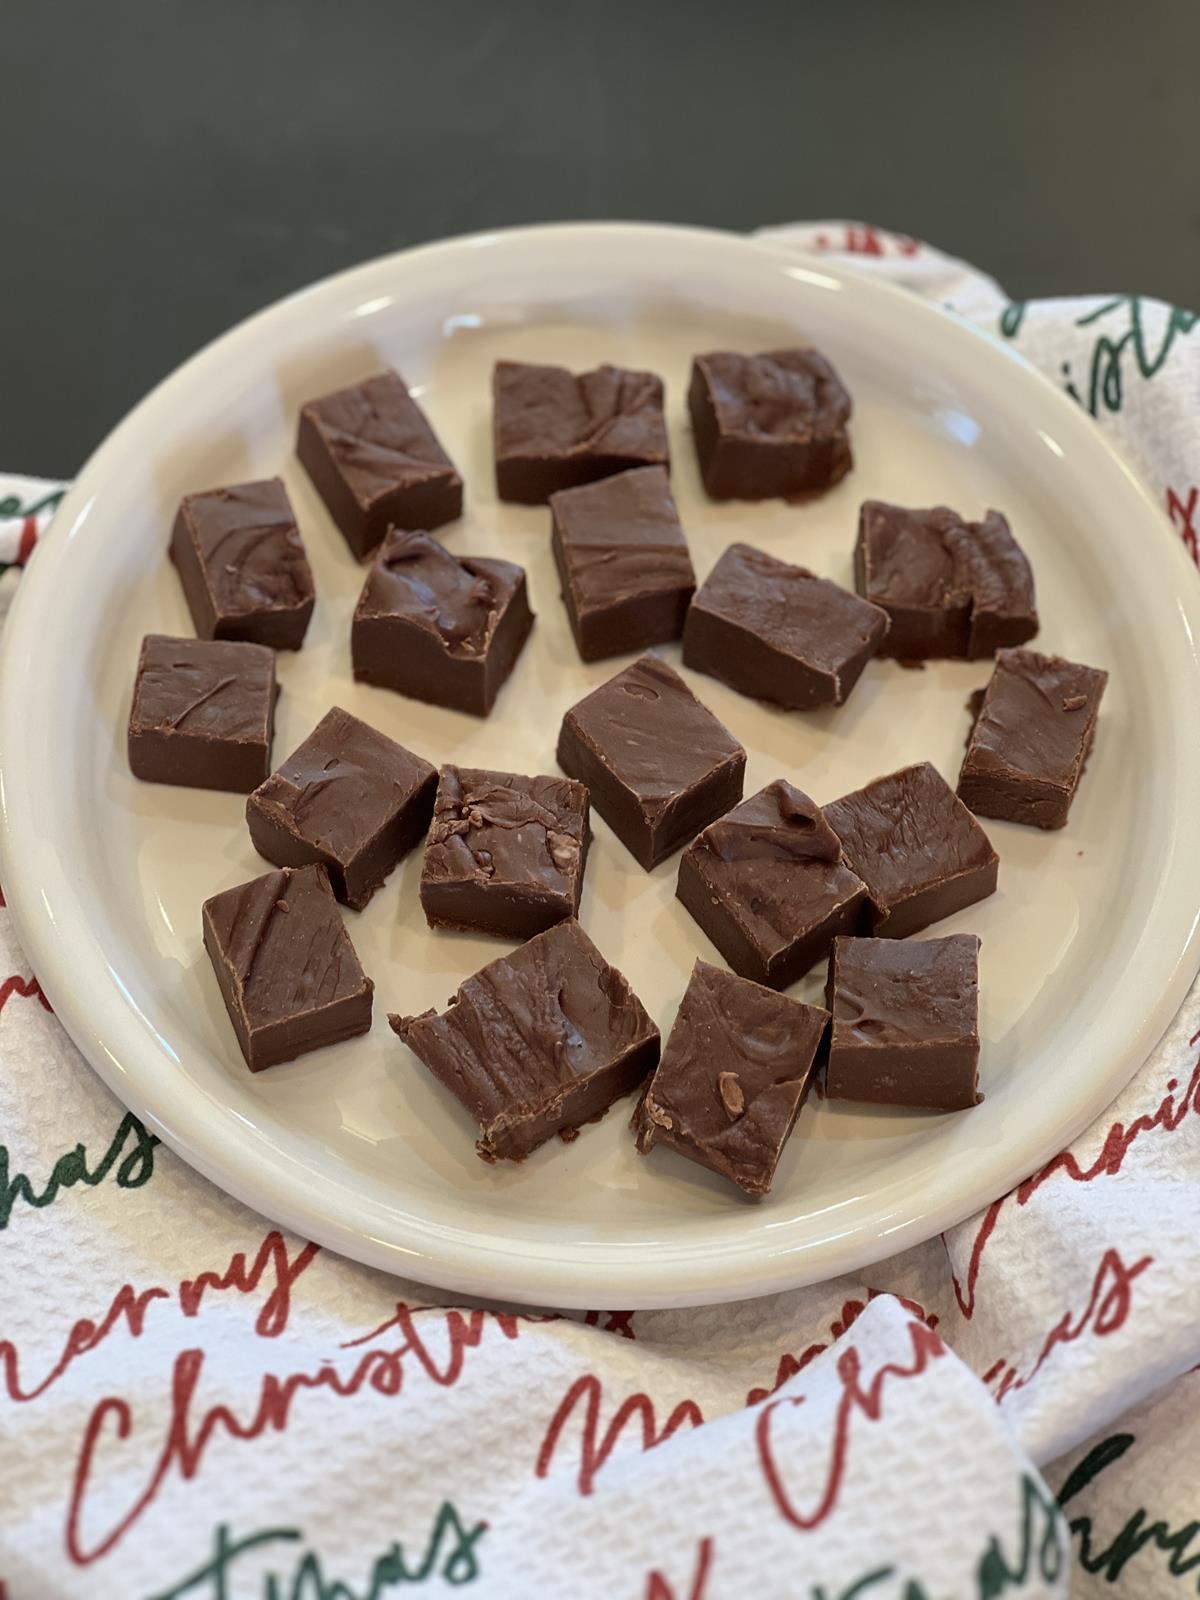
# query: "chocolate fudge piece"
{"type": "Point", "coordinates": [537, 1042]}
{"type": "Point", "coordinates": [905, 1022]}
{"type": "Point", "coordinates": [203, 713]}
{"type": "Point", "coordinates": [348, 797]}
{"type": "Point", "coordinates": [554, 430]}
{"type": "Point", "coordinates": [769, 425]}
{"type": "Point", "coordinates": [778, 632]}
{"type": "Point", "coordinates": [908, 563]}
{"type": "Point", "coordinates": [1000, 579]}
{"type": "Point", "coordinates": [242, 565]}
{"type": "Point", "coordinates": [767, 883]}
{"type": "Point", "coordinates": [734, 1073]}
{"type": "Point", "coordinates": [657, 764]}
{"type": "Point", "coordinates": [951, 588]}
{"type": "Point", "coordinates": [506, 853]}
{"type": "Point", "coordinates": [623, 562]}
{"type": "Point", "coordinates": [376, 462]}
{"type": "Point", "coordinates": [917, 848]}
{"type": "Point", "coordinates": [287, 970]}
{"type": "Point", "coordinates": [443, 628]}
{"type": "Point", "coordinates": [1031, 738]}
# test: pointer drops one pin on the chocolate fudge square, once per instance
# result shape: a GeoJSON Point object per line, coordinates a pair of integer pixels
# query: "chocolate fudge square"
{"type": "Point", "coordinates": [376, 462]}
{"type": "Point", "coordinates": [778, 632]}
{"type": "Point", "coordinates": [951, 588]}
{"type": "Point", "coordinates": [442, 628]}
{"type": "Point", "coordinates": [769, 886]}
{"type": "Point", "coordinates": [554, 430]}
{"type": "Point", "coordinates": [506, 853]}
{"type": "Point", "coordinates": [905, 1026]}
{"type": "Point", "coordinates": [350, 798]}
{"type": "Point", "coordinates": [623, 562]}
{"type": "Point", "coordinates": [917, 848]}
{"type": "Point", "coordinates": [733, 1076]}
{"type": "Point", "coordinates": [769, 426]}
{"type": "Point", "coordinates": [203, 713]}
{"type": "Point", "coordinates": [287, 970]}
{"type": "Point", "coordinates": [537, 1042]}
{"type": "Point", "coordinates": [242, 564]}
{"type": "Point", "coordinates": [657, 764]}
{"type": "Point", "coordinates": [1031, 739]}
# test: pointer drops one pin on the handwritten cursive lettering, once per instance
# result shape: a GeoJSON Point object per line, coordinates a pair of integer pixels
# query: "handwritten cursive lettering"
{"type": "Point", "coordinates": [854, 1399]}
{"type": "Point", "coordinates": [1106, 1311]}
{"type": "Point", "coordinates": [449, 1553]}
{"type": "Point", "coordinates": [192, 1426]}
{"type": "Point", "coordinates": [1167, 1117]}
{"type": "Point", "coordinates": [1139, 1532]}
{"type": "Point", "coordinates": [129, 1306]}
{"type": "Point", "coordinates": [133, 1168]}
{"type": "Point", "coordinates": [596, 1447]}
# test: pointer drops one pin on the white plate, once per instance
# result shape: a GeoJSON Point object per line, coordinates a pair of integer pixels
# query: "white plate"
{"type": "Point", "coordinates": [1087, 948]}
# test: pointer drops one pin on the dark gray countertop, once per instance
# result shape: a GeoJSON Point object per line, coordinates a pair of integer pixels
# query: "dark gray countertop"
{"type": "Point", "coordinates": [166, 170]}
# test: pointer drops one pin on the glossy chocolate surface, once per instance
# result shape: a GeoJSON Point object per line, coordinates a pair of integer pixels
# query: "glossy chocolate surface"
{"type": "Point", "coordinates": [242, 564]}
{"type": "Point", "coordinates": [657, 763]}
{"type": "Point", "coordinates": [915, 845]}
{"type": "Point", "coordinates": [1031, 739]}
{"type": "Point", "coordinates": [506, 853]}
{"type": "Point", "coordinates": [623, 562]}
{"type": "Point", "coordinates": [554, 429]}
{"type": "Point", "coordinates": [376, 462]}
{"type": "Point", "coordinates": [769, 425]}
{"type": "Point", "coordinates": [951, 588]}
{"type": "Point", "coordinates": [348, 797]}
{"type": "Point", "coordinates": [203, 713]}
{"type": "Point", "coordinates": [768, 885]}
{"type": "Point", "coordinates": [733, 1076]}
{"type": "Point", "coordinates": [905, 1022]}
{"type": "Point", "coordinates": [537, 1042]}
{"type": "Point", "coordinates": [778, 632]}
{"type": "Point", "coordinates": [439, 627]}
{"type": "Point", "coordinates": [288, 973]}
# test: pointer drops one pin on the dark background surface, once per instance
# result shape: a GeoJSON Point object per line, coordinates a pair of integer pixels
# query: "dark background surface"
{"type": "Point", "coordinates": [168, 168]}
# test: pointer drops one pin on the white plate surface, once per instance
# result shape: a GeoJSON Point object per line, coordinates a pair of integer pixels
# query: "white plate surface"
{"type": "Point", "coordinates": [1087, 948]}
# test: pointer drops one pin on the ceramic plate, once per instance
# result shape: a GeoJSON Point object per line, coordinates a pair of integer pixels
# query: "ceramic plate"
{"type": "Point", "coordinates": [1088, 946]}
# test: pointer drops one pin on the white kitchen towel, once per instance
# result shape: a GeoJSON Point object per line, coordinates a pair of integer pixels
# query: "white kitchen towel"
{"type": "Point", "coordinates": [195, 1403]}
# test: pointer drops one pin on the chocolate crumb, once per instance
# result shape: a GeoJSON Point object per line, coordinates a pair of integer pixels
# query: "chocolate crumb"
{"type": "Point", "coordinates": [1074, 702]}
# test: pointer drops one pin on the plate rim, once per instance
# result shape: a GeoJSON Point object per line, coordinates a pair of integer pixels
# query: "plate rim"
{"type": "Point", "coordinates": [471, 1268]}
